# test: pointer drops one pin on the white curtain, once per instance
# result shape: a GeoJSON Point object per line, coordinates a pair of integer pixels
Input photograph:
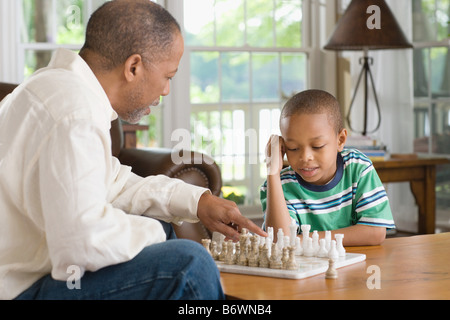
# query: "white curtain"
{"type": "Point", "coordinates": [393, 76]}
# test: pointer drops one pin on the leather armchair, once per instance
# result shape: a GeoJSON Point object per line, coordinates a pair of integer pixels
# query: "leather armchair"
{"type": "Point", "coordinates": [201, 170]}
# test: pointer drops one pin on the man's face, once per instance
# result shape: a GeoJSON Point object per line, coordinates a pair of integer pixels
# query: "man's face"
{"type": "Point", "coordinates": [151, 84]}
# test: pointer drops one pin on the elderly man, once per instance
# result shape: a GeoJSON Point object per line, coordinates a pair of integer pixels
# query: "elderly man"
{"type": "Point", "coordinates": [74, 223]}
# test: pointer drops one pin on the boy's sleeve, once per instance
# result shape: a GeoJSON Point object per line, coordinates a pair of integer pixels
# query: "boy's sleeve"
{"type": "Point", "coordinates": [372, 203]}
{"type": "Point", "coordinates": [263, 199]}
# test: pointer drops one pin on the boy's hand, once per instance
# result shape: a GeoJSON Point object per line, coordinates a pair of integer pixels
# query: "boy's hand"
{"type": "Point", "coordinates": [275, 151]}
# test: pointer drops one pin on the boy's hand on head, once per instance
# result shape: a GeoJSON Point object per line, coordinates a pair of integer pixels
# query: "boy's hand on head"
{"type": "Point", "coordinates": [275, 151]}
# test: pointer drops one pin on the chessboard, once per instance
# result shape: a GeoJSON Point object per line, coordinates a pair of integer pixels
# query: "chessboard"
{"type": "Point", "coordinates": [307, 267]}
{"type": "Point", "coordinates": [288, 257]}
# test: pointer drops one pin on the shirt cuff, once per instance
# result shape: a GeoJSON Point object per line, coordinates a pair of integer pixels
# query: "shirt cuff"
{"type": "Point", "coordinates": [183, 203]}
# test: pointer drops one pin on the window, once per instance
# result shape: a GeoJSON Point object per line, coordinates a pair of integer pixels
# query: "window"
{"type": "Point", "coordinates": [246, 58]}
{"type": "Point", "coordinates": [431, 33]}
{"type": "Point", "coordinates": [47, 25]}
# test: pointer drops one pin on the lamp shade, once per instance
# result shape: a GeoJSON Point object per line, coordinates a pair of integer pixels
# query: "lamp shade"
{"type": "Point", "coordinates": [367, 24]}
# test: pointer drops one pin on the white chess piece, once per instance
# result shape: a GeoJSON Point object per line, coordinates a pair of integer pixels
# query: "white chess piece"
{"type": "Point", "coordinates": [327, 240]}
{"type": "Point", "coordinates": [280, 239]}
{"type": "Point", "coordinates": [305, 234]}
{"type": "Point", "coordinates": [315, 241]}
{"type": "Point", "coordinates": [308, 250]}
{"type": "Point", "coordinates": [292, 263]}
{"type": "Point", "coordinates": [293, 230]}
{"type": "Point", "coordinates": [270, 234]}
{"type": "Point", "coordinates": [322, 253]}
{"type": "Point", "coordinates": [333, 253]}
{"type": "Point", "coordinates": [331, 272]}
{"type": "Point", "coordinates": [339, 246]}
{"type": "Point", "coordinates": [298, 246]}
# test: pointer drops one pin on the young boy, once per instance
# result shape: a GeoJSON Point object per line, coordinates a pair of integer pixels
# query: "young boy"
{"type": "Point", "coordinates": [325, 185]}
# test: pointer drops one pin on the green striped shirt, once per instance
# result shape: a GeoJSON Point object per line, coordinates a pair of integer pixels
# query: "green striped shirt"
{"type": "Point", "coordinates": [354, 196]}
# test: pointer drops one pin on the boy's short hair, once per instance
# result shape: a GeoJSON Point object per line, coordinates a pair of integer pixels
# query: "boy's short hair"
{"type": "Point", "coordinates": [314, 102]}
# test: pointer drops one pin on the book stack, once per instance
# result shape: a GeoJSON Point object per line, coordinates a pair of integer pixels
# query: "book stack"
{"type": "Point", "coordinates": [374, 150]}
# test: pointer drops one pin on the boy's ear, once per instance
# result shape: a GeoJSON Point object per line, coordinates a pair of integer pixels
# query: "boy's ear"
{"type": "Point", "coordinates": [342, 139]}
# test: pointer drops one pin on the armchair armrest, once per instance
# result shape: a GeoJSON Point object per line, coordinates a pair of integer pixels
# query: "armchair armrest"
{"type": "Point", "coordinates": [201, 171]}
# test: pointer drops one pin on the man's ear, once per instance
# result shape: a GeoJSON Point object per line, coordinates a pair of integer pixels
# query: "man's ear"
{"type": "Point", "coordinates": [342, 139]}
{"type": "Point", "coordinates": [133, 67]}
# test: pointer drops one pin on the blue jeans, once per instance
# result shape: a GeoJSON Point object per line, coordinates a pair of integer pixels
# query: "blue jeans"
{"type": "Point", "coordinates": [172, 270]}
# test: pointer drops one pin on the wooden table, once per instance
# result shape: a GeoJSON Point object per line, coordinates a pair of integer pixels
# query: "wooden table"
{"type": "Point", "coordinates": [421, 174]}
{"type": "Point", "coordinates": [415, 267]}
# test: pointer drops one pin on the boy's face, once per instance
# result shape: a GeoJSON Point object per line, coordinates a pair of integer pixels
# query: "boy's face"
{"type": "Point", "coordinates": [311, 146]}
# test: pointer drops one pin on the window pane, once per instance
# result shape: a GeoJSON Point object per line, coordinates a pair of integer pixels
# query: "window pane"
{"type": "Point", "coordinates": [294, 73]}
{"type": "Point", "coordinates": [235, 76]}
{"type": "Point", "coordinates": [432, 65]}
{"type": "Point", "coordinates": [430, 20]}
{"type": "Point", "coordinates": [260, 28]}
{"type": "Point", "coordinates": [421, 72]}
{"type": "Point", "coordinates": [70, 22]}
{"type": "Point", "coordinates": [38, 19]}
{"type": "Point", "coordinates": [36, 59]}
{"type": "Point", "coordinates": [230, 23]}
{"type": "Point", "coordinates": [440, 72]}
{"type": "Point", "coordinates": [48, 21]}
{"type": "Point", "coordinates": [205, 77]}
{"type": "Point", "coordinates": [432, 126]}
{"type": "Point", "coordinates": [288, 18]}
{"type": "Point", "coordinates": [265, 77]}
{"type": "Point", "coordinates": [199, 22]}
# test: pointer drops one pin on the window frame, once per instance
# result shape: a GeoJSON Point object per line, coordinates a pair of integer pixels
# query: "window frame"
{"type": "Point", "coordinates": [317, 25]}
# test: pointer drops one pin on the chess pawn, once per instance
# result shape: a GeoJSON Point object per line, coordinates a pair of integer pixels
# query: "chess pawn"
{"type": "Point", "coordinates": [243, 261]}
{"type": "Point", "coordinates": [333, 254]}
{"type": "Point", "coordinates": [230, 257]}
{"type": "Point", "coordinates": [331, 272]}
{"type": "Point", "coordinates": [285, 257]}
{"type": "Point", "coordinates": [308, 250]}
{"type": "Point", "coordinates": [298, 246]}
{"type": "Point", "coordinates": [322, 253]}
{"type": "Point", "coordinates": [339, 246]}
{"type": "Point", "coordinates": [287, 241]}
{"type": "Point", "coordinates": [292, 263]}
{"type": "Point", "coordinates": [253, 255]}
{"type": "Point", "coordinates": [206, 244]}
{"type": "Point", "coordinates": [264, 257]}
{"type": "Point", "coordinates": [214, 251]}
{"type": "Point", "coordinates": [275, 261]}
{"type": "Point", "coordinates": [223, 253]}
